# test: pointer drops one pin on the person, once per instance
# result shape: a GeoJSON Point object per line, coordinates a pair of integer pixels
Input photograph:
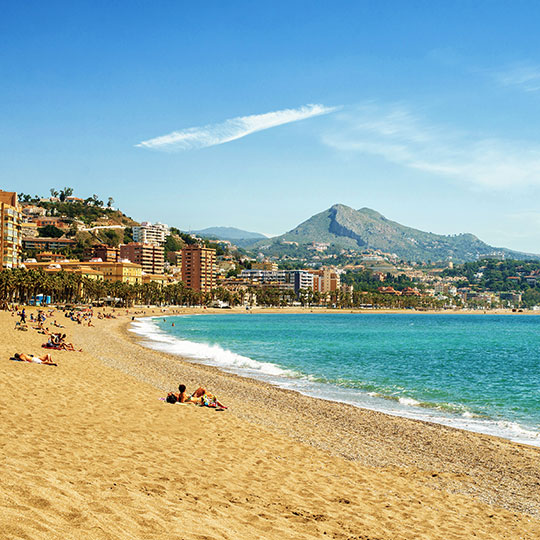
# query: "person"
{"type": "Point", "coordinates": [23, 317]}
{"type": "Point", "coordinates": [45, 359]}
{"type": "Point", "coordinates": [199, 397]}
{"type": "Point", "coordinates": [181, 397]}
{"type": "Point", "coordinates": [205, 399]}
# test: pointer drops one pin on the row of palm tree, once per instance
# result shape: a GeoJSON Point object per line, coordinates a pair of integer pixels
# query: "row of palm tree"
{"type": "Point", "coordinates": [21, 286]}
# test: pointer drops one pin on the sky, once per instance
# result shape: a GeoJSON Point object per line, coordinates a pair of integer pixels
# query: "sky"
{"type": "Point", "coordinates": [259, 115]}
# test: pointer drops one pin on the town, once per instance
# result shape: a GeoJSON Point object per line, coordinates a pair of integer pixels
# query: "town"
{"type": "Point", "coordinates": [66, 248]}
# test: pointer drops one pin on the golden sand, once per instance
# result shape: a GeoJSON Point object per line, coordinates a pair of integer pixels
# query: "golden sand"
{"type": "Point", "coordinates": [89, 451]}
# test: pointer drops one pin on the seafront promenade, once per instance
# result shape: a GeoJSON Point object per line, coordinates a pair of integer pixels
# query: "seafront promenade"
{"type": "Point", "coordinates": [91, 451]}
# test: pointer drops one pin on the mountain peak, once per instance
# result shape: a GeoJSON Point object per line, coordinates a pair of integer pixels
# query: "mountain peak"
{"type": "Point", "coordinates": [345, 227]}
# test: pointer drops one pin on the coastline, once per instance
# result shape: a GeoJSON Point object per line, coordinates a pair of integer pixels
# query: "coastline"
{"type": "Point", "coordinates": [209, 350]}
{"type": "Point", "coordinates": [277, 463]}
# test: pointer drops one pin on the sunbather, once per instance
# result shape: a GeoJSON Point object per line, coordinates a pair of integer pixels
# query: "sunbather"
{"type": "Point", "coordinates": [205, 399]}
{"type": "Point", "coordinates": [43, 359]}
{"type": "Point", "coordinates": [199, 397]}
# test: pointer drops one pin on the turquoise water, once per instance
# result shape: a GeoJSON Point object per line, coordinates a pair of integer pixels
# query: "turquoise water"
{"type": "Point", "coordinates": [471, 371]}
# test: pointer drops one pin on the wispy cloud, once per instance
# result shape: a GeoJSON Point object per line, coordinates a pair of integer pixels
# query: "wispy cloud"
{"type": "Point", "coordinates": [400, 137]}
{"type": "Point", "coordinates": [232, 129]}
{"type": "Point", "coordinates": [524, 76]}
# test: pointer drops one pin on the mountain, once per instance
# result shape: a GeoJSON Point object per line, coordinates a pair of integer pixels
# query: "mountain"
{"type": "Point", "coordinates": [366, 229]}
{"type": "Point", "coordinates": [232, 234]}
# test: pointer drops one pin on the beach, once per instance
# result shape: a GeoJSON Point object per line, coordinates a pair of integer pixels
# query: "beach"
{"type": "Point", "coordinates": [91, 451]}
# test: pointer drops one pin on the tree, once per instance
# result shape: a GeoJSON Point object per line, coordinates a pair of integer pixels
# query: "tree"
{"type": "Point", "coordinates": [110, 202]}
{"type": "Point", "coordinates": [54, 192]}
{"type": "Point", "coordinates": [50, 231]}
{"type": "Point", "coordinates": [66, 192]}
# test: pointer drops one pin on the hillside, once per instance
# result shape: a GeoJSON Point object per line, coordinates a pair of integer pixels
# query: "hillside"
{"type": "Point", "coordinates": [366, 229]}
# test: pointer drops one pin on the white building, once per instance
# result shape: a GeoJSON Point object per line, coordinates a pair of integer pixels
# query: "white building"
{"type": "Point", "coordinates": [297, 279]}
{"type": "Point", "coordinates": [154, 234]}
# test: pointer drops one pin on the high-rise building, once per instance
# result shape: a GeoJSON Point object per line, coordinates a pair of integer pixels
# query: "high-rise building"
{"type": "Point", "coordinates": [150, 257]}
{"type": "Point", "coordinates": [325, 280]}
{"type": "Point", "coordinates": [199, 267]}
{"type": "Point", "coordinates": [10, 229]}
{"type": "Point", "coordinates": [155, 234]}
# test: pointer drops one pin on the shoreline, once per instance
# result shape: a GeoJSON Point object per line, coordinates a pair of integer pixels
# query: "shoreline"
{"type": "Point", "coordinates": [383, 404]}
{"type": "Point", "coordinates": [341, 420]}
{"type": "Point", "coordinates": [96, 450]}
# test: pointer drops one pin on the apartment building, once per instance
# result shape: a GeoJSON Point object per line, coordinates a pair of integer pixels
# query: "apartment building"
{"type": "Point", "coordinates": [154, 234]}
{"type": "Point", "coordinates": [325, 280]}
{"type": "Point", "coordinates": [292, 279]}
{"type": "Point", "coordinates": [126, 272]}
{"type": "Point", "coordinates": [47, 244]}
{"type": "Point", "coordinates": [102, 251]}
{"type": "Point", "coordinates": [199, 267]}
{"type": "Point", "coordinates": [149, 256]}
{"type": "Point", "coordinates": [10, 229]}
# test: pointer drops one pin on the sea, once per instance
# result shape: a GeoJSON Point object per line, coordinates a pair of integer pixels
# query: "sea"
{"type": "Point", "coordinates": [476, 372]}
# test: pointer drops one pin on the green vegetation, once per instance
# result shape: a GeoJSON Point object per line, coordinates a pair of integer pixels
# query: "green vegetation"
{"type": "Point", "coordinates": [365, 280]}
{"type": "Point", "coordinates": [501, 276]}
{"type": "Point", "coordinates": [50, 231]}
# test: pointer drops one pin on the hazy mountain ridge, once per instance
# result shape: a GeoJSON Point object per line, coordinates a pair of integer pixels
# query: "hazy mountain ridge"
{"type": "Point", "coordinates": [365, 228]}
{"type": "Point", "coordinates": [231, 234]}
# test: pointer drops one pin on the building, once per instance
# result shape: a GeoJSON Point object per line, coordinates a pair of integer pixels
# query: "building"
{"type": "Point", "coordinates": [288, 279]}
{"type": "Point", "coordinates": [265, 265]}
{"type": "Point", "coordinates": [49, 256]}
{"type": "Point", "coordinates": [329, 280]}
{"type": "Point", "coordinates": [45, 221]}
{"type": "Point", "coordinates": [123, 271]}
{"type": "Point", "coordinates": [149, 256]}
{"type": "Point", "coordinates": [33, 211]}
{"type": "Point", "coordinates": [102, 251]}
{"type": "Point", "coordinates": [155, 234]}
{"type": "Point", "coordinates": [29, 229]}
{"type": "Point", "coordinates": [10, 233]}
{"type": "Point", "coordinates": [325, 280]}
{"type": "Point", "coordinates": [160, 279]}
{"type": "Point", "coordinates": [47, 244]}
{"type": "Point", "coordinates": [199, 267]}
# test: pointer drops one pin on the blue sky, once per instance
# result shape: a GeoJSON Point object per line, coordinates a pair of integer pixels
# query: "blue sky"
{"type": "Point", "coordinates": [261, 114]}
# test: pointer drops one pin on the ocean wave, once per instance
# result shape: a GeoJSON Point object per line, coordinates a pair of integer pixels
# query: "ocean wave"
{"type": "Point", "coordinates": [215, 355]}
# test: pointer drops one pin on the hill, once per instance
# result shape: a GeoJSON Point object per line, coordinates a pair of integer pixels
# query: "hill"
{"type": "Point", "coordinates": [365, 229]}
{"type": "Point", "coordinates": [231, 234]}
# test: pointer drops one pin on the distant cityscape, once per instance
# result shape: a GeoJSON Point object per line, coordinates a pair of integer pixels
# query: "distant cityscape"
{"type": "Point", "coordinates": [98, 243]}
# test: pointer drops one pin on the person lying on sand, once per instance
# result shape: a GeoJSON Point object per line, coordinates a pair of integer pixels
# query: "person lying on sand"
{"type": "Point", "coordinates": [199, 397]}
{"type": "Point", "coordinates": [45, 359]}
{"type": "Point", "coordinates": [205, 399]}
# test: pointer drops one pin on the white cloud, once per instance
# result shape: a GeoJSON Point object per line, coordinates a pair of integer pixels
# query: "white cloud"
{"type": "Point", "coordinates": [395, 134]}
{"type": "Point", "coordinates": [524, 76]}
{"type": "Point", "coordinates": [232, 129]}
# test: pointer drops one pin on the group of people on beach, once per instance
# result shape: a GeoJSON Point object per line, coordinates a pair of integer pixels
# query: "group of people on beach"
{"type": "Point", "coordinates": [200, 397]}
{"type": "Point", "coordinates": [55, 340]}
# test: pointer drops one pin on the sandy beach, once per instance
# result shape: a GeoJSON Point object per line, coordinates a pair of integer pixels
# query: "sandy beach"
{"type": "Point", "coordinates": [90, 451]}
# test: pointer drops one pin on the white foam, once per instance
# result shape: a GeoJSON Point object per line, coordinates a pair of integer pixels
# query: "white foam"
{"type": "Point", "coordinates": [409, 401]}
{"type": "Point", "coordinates": [210, 354]}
